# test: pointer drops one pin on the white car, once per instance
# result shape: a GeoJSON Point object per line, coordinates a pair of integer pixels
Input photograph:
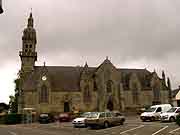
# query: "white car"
{"type": "Point", "coordinates": [80, 122]}
{"type": "Point", "coordinates": [153, 113]}
{"type": "Point", "coordinates": [171, 114]}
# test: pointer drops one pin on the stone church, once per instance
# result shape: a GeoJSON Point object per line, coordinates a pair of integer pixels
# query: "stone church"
{"type": "Point", "coordinates": [51, 89]}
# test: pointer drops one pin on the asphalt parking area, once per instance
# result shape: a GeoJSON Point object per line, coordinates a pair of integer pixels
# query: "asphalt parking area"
{"type": "Point", "coordinates": [153, 128]}
{"type": "Point", "coordinates": [133, 126]}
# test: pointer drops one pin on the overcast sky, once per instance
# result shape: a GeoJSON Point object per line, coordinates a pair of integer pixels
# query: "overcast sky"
{"type": "Point", "coordinates": [133, 33]}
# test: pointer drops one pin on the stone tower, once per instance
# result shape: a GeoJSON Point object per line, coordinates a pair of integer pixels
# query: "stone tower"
{"type": "Point", "coordinates": [28, 54]}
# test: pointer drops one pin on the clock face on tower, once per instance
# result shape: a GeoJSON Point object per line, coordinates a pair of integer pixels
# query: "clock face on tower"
{"type": "Point", "coordinates": [44, 78]}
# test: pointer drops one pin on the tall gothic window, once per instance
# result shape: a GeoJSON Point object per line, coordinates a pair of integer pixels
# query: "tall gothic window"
{"type": "Point", "coordinates": [44, 95]}
{"type": "Point", "coordinates": [156, 93]}
{"type": "Point", "coordinates": [109, 86]}
{"type": "Point", "coordinates": [135, 94]}
{"type": "Point", "coordinates": [87, 95]}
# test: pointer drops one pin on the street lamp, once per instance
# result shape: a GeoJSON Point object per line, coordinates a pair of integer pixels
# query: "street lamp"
{"type": "Point", "coordinates": [1, 10]}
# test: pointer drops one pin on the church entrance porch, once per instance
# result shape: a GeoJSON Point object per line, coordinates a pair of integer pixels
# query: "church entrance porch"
{"type": "Point", "coordinates": [66, 107]}
{"type": "Point", "coordinates": [110, 105]}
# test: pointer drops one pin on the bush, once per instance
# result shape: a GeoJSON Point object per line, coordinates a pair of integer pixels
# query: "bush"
{"type": "Point", "coordinates": [2, 119]}
{"type": "Point", "coordinates": [13, 118]}
{"type": "Point", "coordinates": [178, 120]}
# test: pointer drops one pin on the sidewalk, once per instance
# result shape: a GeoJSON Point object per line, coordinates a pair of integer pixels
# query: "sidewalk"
{"type": "Point", "coordinates": [49, 125]}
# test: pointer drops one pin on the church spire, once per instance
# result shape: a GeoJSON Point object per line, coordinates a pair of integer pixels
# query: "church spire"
{"type": "Point", "coordinates": [30, 20]}
{"type": "Point", "coordinates": [28, 53]}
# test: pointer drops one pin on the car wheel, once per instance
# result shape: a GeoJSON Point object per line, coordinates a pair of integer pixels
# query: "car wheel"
{"type": "Point", "coordinates": [106, 124]}
{"type": "Point", "coordinates": [122, 121]}
{"type": "Point", "coordinates": [153, 119]}
{"type": "Point", "coordinates": [85, 125]}
{"type": "Point", "coordinates": [171, 119]}
{"type": "Point", "coordinates": [75, 126]}
{"type": "Point", "coordinates": [143, 120]}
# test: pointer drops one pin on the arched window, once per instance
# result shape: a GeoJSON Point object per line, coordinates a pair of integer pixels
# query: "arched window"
{"type": "Point", "coordinates": [156, 93]}
{"type": "Point", "coordinates": [44, 95]}
{"type": "Point", "coordinates": [87, 95]}
{"type": "Point", "coordinates": [135, 94]}
{"type": "Point", "coordinates": [109, 86]}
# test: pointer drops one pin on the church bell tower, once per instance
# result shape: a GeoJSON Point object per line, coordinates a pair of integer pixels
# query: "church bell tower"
{"type": "Point", "coordinates": [28, 53]}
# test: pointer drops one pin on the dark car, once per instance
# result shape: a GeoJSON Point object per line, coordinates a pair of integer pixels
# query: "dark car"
{"type": "Point", "coordinates": [45, 118]}
{"type": "Point", "coordinates": [64, 117]}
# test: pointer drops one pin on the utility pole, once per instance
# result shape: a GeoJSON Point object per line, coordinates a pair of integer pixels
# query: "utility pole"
{"type": "Point", "coordinates": [1, 10]}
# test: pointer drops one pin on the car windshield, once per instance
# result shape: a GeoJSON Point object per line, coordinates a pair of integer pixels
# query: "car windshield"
{"type": "Point", "coordinates": [117, 114]}
{"type": "Point", "coordinates": [93, 115]}
{"type": "Point", "coordinates": [63, 115]}
{"type": "Point", "coordinates": [84, 115]}
{"type": "Point", "coordinates": [152, 109]}
{"type": "Point", "coordinates": [43, 115]}
{"type": "Point", "coordinates": [172, 110]}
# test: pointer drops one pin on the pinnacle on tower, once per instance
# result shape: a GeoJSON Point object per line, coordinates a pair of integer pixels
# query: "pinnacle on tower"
{"type": "Point", "coordinates": [30, 20]}
{"type": "Point", "coordinates": [86, 65]}
{"type": "Point", "coordinates": [163, 76]}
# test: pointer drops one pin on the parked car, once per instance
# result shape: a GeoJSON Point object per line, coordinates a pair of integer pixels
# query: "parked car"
{"type": "Point", "coordinates": [64, 117]}
{"type": "Point", "coordinates": [80, 121]}
{"type": "Point", "coordinates": [171, 114]}
{"type": "Point", "coordinates": [142, 109]}
{"type": "Point", "coordinates": [45, 118]}
{"type": "Point", "coordinates": [153, 113]}
{"type": "Point", "coordinates": [104, 119]}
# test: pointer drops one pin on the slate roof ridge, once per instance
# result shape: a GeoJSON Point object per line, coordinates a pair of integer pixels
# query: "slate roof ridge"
{"type": "Point", "coordinates": [55, 66]}
{"type": "Point", "coordinates": [63, 66]}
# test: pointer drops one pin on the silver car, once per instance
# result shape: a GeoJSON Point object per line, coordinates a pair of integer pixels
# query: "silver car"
{"type": "Point", "coordinates": [104, 119]}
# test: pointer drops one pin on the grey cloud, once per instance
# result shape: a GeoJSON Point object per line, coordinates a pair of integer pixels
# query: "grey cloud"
{"type": "Point", "coordinates": [124, 30]}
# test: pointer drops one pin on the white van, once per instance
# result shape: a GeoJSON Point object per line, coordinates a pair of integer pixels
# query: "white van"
{"type": "Point", "coordinates": [153, 113]}
{"type": "Point", "coordinates": [171, 114]}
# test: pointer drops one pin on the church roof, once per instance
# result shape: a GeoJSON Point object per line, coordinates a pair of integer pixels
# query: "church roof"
{"type": "Point", "coordinates": [143, 75]}
{"type": "Point", "coordinates": [60, 78]}
{"type": "Point", "coordinates": [67, 78]}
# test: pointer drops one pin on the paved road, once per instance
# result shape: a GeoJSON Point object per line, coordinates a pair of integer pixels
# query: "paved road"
{"type": "Point", "coordinates": [133, 126]}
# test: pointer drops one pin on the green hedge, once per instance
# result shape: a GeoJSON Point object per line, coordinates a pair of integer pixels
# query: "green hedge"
{"type": "Point", "coordinates": [178, 120]}
{"type": "Point", "coordinates": [2, 119]}
{"type": "Point", "coordinates": [11, 119]}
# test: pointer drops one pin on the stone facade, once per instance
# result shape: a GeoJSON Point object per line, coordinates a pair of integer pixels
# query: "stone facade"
{"type": "Point", "coordinates": [54, 89]}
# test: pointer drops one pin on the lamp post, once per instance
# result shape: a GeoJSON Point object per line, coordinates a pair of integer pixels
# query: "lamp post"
{"type": "Point", "coordinates": [1, 10]}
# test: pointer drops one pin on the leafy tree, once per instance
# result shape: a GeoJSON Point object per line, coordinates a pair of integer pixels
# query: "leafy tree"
{"type": "Point", "coordinates": [13, 103]}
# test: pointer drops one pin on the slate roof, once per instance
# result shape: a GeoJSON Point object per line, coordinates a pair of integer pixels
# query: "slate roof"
{"type": "Point", "coordinates": [143, 75]}
{"type": "Point", "coordinates": [67, 78]}
{"type": "Point", "coordinates": [60, 77]}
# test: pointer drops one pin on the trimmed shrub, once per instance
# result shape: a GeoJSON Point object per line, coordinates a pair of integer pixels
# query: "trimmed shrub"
{"type": "Point", "coordinates": [2, 119]}
{"type": "Point", "coordinates": [178, 120]}
{"type": "Point", "coordinates": [13, 118]}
